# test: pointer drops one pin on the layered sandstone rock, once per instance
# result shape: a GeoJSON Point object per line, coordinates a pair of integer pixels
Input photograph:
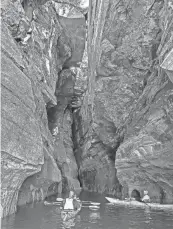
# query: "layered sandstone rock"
{"type": "Point", "coordinates": [100, 116]}
{"type": "Point", "coordinates": [145, 159]}
{"type": "Point", "coordinates": [128, 104]}
{"type": "Point", "coordinates": [93, 153]}
{"type": "Point", "coordinates": [36, 44]}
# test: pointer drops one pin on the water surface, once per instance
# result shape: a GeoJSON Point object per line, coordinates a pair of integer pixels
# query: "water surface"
{"type": "Point", "coordinates": [38, 216]}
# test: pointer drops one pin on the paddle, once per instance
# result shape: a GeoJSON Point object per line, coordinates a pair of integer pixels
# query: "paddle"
{"type": "Point", "coordinates": [90, 204]}
{"type": "Point", "coordinates": [86, 202]}
{"type": "Point", "coordinates": [145, 203]}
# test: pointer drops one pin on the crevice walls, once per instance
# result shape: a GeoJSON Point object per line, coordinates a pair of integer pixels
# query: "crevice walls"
{"type": "Point", "coordinates": [37, 150]}
{"type": "Point", "coordinates": [90, 110]}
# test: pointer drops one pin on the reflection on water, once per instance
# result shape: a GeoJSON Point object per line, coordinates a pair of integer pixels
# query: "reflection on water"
{"type": "Point", "coordinates": [38, 216]}
{"type": "Point", "coordinates": [94, 217]}
{"type": "Point", "coordinates": [69, 224]}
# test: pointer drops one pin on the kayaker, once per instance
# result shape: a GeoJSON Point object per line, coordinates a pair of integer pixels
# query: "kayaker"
{"type": "Point", "coordinates": [146, 197]}
{"type": "Point", "coordinates": [76, 202]}
{"type": "Point", "coordinates": [70, 210]}
{"type": "Point", "coordinates": [68, 203]}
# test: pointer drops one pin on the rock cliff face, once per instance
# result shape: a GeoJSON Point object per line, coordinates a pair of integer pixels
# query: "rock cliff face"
{"type": "Point", "coordinates": [145, 159]}
{"type": "Point", "coordinates": [39, 46]}
{"type": "Point", "coordinates": [96, 114]}
{"type": "Point", "coordinates": [126, 116]}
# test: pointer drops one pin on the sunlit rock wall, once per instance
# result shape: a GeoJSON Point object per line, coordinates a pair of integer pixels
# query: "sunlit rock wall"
{"type": "Point", "coordinates": [37, 44]}
{"type": "Point", "coordinates": [145, 159]}
{"type": "Point", "coordinates": [127, 106]}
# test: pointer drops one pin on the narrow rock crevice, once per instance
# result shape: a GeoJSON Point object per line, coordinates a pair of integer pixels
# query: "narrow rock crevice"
{"type": "Point", "coordinates": [97, 104]}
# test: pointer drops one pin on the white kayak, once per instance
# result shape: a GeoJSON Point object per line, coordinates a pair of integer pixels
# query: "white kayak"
{"type": "Point", "coordinates": [140, 204]}
{"type": "Point", "coordinates": [69, 214]}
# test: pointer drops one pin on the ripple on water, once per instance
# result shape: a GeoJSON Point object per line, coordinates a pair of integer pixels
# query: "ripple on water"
{"type": "Point", "coordinates": [108, 216]}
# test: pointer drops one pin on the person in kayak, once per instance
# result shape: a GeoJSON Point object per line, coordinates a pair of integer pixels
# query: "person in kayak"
{"type": "Point", "coordinates": [72, 203]}
{"type": "Point", "coordinates": [146, 197]}
{"type": "Point", "coordinates": [135, 196]}
{"type": "Point", "coordinates": [70, 210]}
{"type": "Point", "coordinates": [68, 202]}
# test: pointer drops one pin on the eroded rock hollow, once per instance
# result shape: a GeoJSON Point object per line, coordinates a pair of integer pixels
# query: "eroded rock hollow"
{"type": "Point", "coordinates": [87, 99]}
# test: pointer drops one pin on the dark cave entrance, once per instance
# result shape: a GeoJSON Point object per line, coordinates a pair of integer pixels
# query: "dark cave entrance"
{"type": "Point", "coordinates": [136, 194]}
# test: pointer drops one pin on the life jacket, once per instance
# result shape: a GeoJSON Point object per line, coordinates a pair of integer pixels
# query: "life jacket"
{"type": "Point", "coordinates": [68, 204]}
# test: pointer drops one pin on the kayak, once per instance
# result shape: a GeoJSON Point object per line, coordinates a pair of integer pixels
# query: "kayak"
{"type": "Point", "coordinates": [140, 204]}
{"type": "Point", "coordinates": [69, 214]}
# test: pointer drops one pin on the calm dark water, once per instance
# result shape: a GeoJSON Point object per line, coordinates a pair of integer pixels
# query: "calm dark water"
{"type": "Point", "coordinates": [38, 216]}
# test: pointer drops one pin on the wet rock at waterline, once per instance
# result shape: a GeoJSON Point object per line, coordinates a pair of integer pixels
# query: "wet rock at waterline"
{"type": "Point", "coordinates": [36, 45]}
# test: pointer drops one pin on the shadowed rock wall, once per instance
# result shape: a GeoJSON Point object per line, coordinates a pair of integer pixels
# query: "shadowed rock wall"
{"type": "Point", "coordinates": [95, 133]}
{"type": "Point", "coordinates": [37, 44]}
